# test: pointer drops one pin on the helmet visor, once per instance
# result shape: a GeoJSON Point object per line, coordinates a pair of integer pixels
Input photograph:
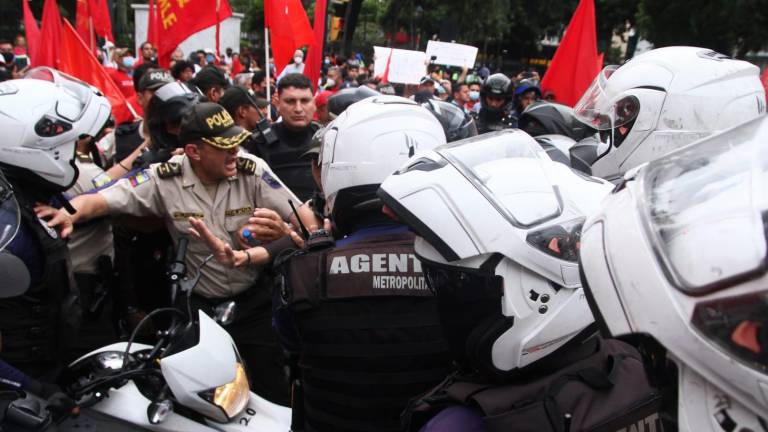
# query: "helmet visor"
{"type": "Point", "coordinates": [706, 209]}
{"type": "Point", "coordinates": [9, 214]}
{"type": "Point", "coordinates": [486, 161]}
{"type": "Point", "coordinates": [600, 109]}
{"type": "Point", "coordinates": [75, 94]}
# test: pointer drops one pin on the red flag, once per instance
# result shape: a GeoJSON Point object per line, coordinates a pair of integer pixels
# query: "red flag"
{"type": "Point", "coordinates": [385, 75]}
{"type": "Point", "coordinates": [102, 23]}
{"type": "Point", "coordinates": [83, 21]}
{"type": "Point", "coordinates": [600, 59]}
{"type": "Point", "coordinates": [574, 65]}
{"type": "Point", "coordinates": [50, 37]}
{"type": "Point", "coordinates": [31, 29]}
{"type": "Point", "coordinates": [151, 26]}
{"type": "Point", "coordinates": [289, 29]}
{"type": "Point", "coordinates": [315, 53]}
{"type": "Point", "coordinates": [179, 19]}
{"type": "Point", "coordinates": [237, 67]}
{"type": "Point", "coordinates": [78, 61]}
{"type": "Point", "coordinates": [765, 80]}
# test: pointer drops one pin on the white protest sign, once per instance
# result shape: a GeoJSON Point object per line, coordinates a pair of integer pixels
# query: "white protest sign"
{"type": "Point", "coordinates": [405, 66]}
{"type": "Point", "coordinates": [451, 54]}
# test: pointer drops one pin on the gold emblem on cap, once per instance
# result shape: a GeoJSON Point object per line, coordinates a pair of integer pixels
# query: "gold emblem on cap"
{"type": "Point", "coordinates": [221, 118]}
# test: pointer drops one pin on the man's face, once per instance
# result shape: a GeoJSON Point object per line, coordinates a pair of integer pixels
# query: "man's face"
{"type": "Point", "coordinates": [334, 75]}
{"type": "Point", "coordinates": [6, 47]}
{"type": "Point", "coordinates": [258, 87]}
{"type": "Point", "coordinates": [462, 94]}
{"type": "Point", "coordinates": [143, 98]}
{"type": "Point", "coordinates": [352, 73]}
{"type": "Point", "coordinates": [474, 87]}
{"type": "Point", "coordinates": [527, 98]}
{"type": "Point", "coordinates": [494, 102]}
{"type": "Point", "coordinates": [214, 93]}
{"type": "Point", "coordinates": [217, 164]}
{"type": "Point", "coordinates": [147, 51]}
{"type": "Point", "coordinates": [186, 74]}
{"type": "Point", "coordinates": [250, 116]}
{"type": "Point", "coordinates": [296, 106]}
{"type": "Point", "coordinates": [323, 115]}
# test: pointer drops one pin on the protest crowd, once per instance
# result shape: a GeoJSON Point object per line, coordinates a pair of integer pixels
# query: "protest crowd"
{"type": "Point", "coordinates": [211, 240]}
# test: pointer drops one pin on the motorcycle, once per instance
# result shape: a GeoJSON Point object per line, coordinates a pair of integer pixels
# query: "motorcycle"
{"type": "Point", "coordinates": [192, 379]}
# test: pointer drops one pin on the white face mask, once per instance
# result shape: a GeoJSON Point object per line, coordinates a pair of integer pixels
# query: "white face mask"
{"type": "Point", "coordinates": [298, 60]}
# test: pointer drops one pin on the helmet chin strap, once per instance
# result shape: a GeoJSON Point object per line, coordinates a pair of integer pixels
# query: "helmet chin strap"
{"type": "Point", "coordinates": [65, 203]}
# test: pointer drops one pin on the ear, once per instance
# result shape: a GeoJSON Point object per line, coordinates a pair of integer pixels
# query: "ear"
{"type": "Point", "coordinates": [242, 111]}
{"type": "Point", "coordinates": [192, 151]}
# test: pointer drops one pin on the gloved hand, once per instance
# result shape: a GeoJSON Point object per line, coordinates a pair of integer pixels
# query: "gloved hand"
{"type": "Point", "coordinates": [60, 405]}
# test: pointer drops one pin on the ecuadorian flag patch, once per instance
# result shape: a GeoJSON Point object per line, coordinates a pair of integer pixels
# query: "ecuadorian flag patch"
{"type": "Point", "coordinates": [271, 181]}
{"type": "Point", "coordinates": [139, 178]}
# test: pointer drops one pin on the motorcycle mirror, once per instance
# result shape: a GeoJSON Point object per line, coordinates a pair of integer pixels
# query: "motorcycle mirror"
{"type": "Point", "coordinates": [158, 411]}
{"type": "Point", "coordinates": [224, 313]}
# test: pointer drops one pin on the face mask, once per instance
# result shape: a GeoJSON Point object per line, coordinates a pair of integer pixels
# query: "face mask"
{"type": "Point", "coordinates": [474, 96]}
{"type": "Point", "coordinates": [298, 60]}
{"type": "Point", "coordinates": [330, 83]}
{"type": "Point", "coordinates": [128, 62]}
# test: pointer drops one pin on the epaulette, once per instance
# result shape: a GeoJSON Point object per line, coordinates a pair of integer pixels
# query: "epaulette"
{"type": "Point", "coordinates": [246, 165]}
{"type": "Point", "coordinates": [168, 170]}
{"type": "Point", "coordinates": [84, 157]}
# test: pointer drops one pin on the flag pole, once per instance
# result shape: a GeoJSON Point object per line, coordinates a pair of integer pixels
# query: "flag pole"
{"type": "Point", "coordinates": [266, 66]}
{"type": "Point", "coordinates": [218, 32]}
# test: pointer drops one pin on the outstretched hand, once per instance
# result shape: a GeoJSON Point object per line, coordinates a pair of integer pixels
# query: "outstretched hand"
{"type": "Point", "coordinates": [59, 218]}
{"type": "Point", "coordinates": [221, 250]}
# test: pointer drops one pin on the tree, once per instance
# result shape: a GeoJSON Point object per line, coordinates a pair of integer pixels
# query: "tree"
{"type": "Point", "coordinates": [732, 27]}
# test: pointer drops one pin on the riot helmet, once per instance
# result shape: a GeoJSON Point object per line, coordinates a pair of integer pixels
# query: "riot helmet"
{"type": "Point", "coordinates": [456, 123]}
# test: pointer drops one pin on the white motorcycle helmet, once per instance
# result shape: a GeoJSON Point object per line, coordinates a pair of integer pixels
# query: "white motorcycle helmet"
{"type": "Point", "coordinates": [368, 142]}
{"type": "Point", "coordinates": [498, 225]}
{"type": "Point", "coordinates": [679, 252]}
{"type": "Point", "coordinates": [662, 100]}
{"type": "Point", "coordinates": [42, 120]}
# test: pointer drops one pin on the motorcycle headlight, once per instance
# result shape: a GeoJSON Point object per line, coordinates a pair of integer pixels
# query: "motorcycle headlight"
{"type": "Point", "coordinates": [232, 397]}
{"type": "Point", "coordinates": [560, 241]}
{"type": "Point", "coordinates": [738, 326]}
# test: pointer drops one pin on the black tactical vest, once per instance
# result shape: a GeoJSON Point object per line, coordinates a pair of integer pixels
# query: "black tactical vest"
{"type": "Point", "coordinates": [127, 139]}
{"type": "Point", "coordinates": [606, 391]}
{"type": "Point", "coordinates": [284, 158]}
{"type": "Point", "coordinates": [37, 328]}
{"type": "Point", "coordinates": [369, 333]}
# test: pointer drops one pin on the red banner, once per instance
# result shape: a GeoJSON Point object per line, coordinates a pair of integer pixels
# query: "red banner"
{"type": "Point", "coordinates": [180, 19]}
{"type": "Point", "coordinates": [48, 50]}
{"type": "Point", "coordinates": [78, 61]}
{"type": "Point", "coordinates": [31, 29]}
{"type": "Point", "coordinates": [575, 63]}
{"type": "Point", "coordinates": [289, 29]}
{"type": "Point", "coordinates": [315, 53]}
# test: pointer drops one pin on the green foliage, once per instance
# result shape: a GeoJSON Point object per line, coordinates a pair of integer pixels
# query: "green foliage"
{"type": "Point", "coordinates": [729, 26]}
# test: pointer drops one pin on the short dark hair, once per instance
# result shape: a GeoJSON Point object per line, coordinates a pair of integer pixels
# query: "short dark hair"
{"type": "Point", "coordinates": [140, 71]}
{"type": "Point", "coordinates": [457, 87]}
{"type": "Point", "coordinates": [295, 80]}
{"type": "Point", "coordinates": [143, 44]}
{"type": "Point", "coordinates": [258, 77]}
{"type": "Point", "coordinates": [179, 67]}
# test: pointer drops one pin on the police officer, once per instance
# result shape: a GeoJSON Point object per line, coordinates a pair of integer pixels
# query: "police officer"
{"type": "Point", "coordinates": [357, 313]}
{"type": "Point", "coordinates": [211, 181]}
{"type": "Point", "coordinates": [15, 276]}
{"type": "Point", "coordinates": [496, 95]}
{"type": "Point", "coordinates": [37, 328]}
{"type": "Point", "coordinates": [294, 132]}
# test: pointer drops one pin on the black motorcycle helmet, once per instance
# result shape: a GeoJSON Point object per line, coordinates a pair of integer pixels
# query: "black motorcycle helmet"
{"type": "Point", "coordinates": [498, 85]}
{"type": "Point", "coordinates": [166, 108]}
{"type": "Point", "coordinates": [456, 123]}
{"type": "Point", "coordinates": [339, 102]}
{"type": "Point", "coordinates": [547, 118]}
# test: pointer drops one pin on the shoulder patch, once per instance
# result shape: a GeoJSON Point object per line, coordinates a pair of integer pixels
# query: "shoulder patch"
{"type": "Point", "coordinates": [271, 181]}
{"type": "Point", "coordinates": [101, 180]}
{"type": "Point", "coordinates": [246, 165]}
{"type": "Point", "coordinates": [140, 177]}
{"type": "Point", "coordinates": [168, 170]}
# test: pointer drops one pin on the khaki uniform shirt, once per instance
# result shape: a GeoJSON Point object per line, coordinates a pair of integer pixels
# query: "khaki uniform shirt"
{"type": "Point", "coordinates": [173, 192]}
{"type": "Point", "coordinates": [94, 238]}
